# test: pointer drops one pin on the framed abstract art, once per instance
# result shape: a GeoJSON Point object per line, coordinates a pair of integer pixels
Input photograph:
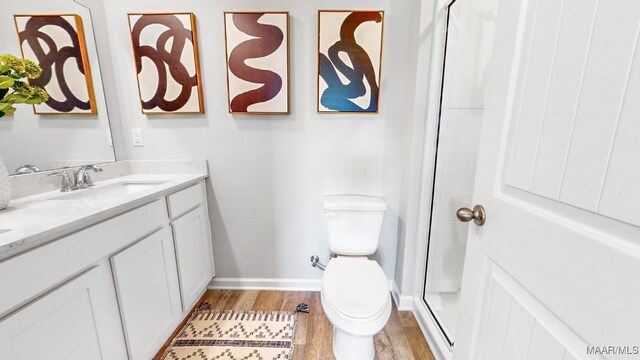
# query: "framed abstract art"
{"type": "Point", "coordinates": [57, 44]}
{"type": "Point", "coordinates": [257, 54]}
{"type": "Point", "coordinates": [165, 49]}
{"type": "Point", "coordinates": [349, 60]}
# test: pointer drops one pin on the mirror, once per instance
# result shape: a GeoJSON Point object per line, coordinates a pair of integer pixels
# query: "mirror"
{"type": "Point", "coordinates": [73, 127]}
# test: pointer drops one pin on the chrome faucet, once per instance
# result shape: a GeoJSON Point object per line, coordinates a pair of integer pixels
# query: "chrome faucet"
{"type": "Point", "coordinates": [83, 180]}
{"type": "Point", "coordinates": [27, 169]}
{"type": "Point", "coordinates": [66, 184]}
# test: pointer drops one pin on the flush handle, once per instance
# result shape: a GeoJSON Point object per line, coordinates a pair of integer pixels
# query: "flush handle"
{"type": "Point", "coordinates": [478, 215]}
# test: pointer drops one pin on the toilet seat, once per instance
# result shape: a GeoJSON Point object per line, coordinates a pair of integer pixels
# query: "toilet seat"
{"type": "Point", "coordinates": [355, 297]}
{"type": "Point", "coordinates": [356, 287]}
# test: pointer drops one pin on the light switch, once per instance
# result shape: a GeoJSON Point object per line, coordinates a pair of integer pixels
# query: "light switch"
{"type": "Point", "coordinates": [137, 137]}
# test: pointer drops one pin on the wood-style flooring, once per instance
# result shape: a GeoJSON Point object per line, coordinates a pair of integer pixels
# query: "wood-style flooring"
{"type": "Point", "coordinates": [401, 339]}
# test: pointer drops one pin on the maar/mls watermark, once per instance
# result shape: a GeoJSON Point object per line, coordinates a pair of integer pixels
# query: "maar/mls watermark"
{"type": "Point", "coordinates": [613, 349]}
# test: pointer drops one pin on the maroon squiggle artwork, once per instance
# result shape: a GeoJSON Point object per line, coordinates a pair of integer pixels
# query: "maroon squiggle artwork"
{"type": "Point", "coordinates": [57, 44]}
{"type": "Point", "coordinates": [167, 65]}
{"type": "Point", "coordinates": [257, 45]}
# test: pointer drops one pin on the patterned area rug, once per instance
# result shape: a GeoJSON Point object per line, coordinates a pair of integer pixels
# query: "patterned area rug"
{"type": "Point", "coordinates": [234, 335]}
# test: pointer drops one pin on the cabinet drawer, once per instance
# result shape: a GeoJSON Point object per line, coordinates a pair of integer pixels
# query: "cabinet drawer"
{"type": "Point", "coordinates": [185, 200]}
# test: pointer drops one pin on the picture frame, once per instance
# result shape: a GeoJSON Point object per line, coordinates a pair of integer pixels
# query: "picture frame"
{"type": "Point", "coordinates": [169, 82]}
{"type": "Point", "coordinates": [352, 86]}
{"type": "Point", "coordinates": [52, 41]}
{"type": "Point", "coordinates": [264, 89]}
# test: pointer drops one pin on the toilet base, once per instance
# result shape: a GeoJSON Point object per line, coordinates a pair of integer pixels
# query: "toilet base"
{"type": "Point", "coordinates": [352, 347]}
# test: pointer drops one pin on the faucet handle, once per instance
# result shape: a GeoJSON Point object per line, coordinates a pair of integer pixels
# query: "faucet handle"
{"type": "Point", "coordinates": [83, 179]}
{"type": "Point", "coordinates": [66, 184]}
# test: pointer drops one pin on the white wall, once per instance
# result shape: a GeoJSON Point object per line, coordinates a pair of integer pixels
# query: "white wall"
{"type": "Point", "coordinates": [268, 173]}
{"type": "Point", "coordinates": [411, 194]}
{"type": "Point", "coordinates": [42, 140]}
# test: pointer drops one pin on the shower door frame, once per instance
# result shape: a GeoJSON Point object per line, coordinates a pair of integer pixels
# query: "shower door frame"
{"type": "Point", "coordinates": [434, 168]}
{"type": "Point", "coordinates": [439, 342]}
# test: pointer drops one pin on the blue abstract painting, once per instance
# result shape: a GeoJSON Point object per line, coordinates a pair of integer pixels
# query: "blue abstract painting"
{"type": "Point", "coordinates": [349, 56]}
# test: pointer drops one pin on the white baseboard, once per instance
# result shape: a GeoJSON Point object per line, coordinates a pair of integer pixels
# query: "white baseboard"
{"type": "Point", "coordinates": [403, 302]}
{"type": "Point", "coordinates": [266, 284]}
{"type": "Point", "coordinates": [437, 343]}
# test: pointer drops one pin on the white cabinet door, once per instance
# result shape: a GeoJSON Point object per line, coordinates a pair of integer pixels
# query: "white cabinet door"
{"type": "Point", "coordinates": [194, 253]}
{"type": "Point", "coordinates": [147, 286]}
{"type": "Point", "coordinates": [72, 322]}
{"type": "Point", "coordinates": [555, 271]}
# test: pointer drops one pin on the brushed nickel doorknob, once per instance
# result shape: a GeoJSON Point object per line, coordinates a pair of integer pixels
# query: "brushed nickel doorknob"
{"type": "Point", "coordinates": [478, 215]}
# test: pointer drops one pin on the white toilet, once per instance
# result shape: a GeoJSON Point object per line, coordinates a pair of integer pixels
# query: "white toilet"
{"type": "Point", "coordinates": [355, 290]}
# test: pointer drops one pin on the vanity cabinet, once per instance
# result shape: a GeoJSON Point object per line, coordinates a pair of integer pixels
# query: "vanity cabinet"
{"type": "Point", "coordinates": [146, 281]}
{"type": "Point", "coordinates": [114, 290]}
{"type": "Point", "coordinates": [192, 242]}
{"type": "Point", "coordinates": [82, 308]}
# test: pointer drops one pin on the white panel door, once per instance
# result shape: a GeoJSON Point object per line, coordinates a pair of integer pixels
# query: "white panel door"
{"type": "Point", "coordinates": [73, 322]}
{"type": "Point", "coordinates": [194, 254]}
{"type": "Point", "coordinates": [147, 285]}
{"type": "Point", "coordinates": [555, 271]}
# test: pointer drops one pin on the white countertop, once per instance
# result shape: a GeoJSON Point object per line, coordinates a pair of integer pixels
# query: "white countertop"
{"type": "Point", "coordinates": [37, 219]}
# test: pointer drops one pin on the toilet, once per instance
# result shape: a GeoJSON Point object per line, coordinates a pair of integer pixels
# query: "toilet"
{"type": "Point", "coordinates": [355, 291]}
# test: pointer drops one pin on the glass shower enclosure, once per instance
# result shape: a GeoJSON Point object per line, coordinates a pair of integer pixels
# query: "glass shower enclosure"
{"type": "Point", "coordinates": [468, 45]}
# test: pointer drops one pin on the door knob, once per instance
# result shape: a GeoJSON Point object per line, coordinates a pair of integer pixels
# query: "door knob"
{"type": "Point", "coordinates": [478, 215]}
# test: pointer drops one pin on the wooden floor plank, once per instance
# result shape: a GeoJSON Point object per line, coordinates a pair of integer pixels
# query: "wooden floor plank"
{"type": "Point", "coordinates": [384, 349]}
{"type": "Point", "coordinates": [401, 339]}
{"type": "Point", "coordinates": [407, 319]}
{"type": "Point", "coordinates": [268, 300]}
{"type": "Point", "coordinates": [246, 299]}
{"type": "Point", "coordinates": [418, 344]}
{"type": "Point", "coordinates": [291, 301]}
{"type": "Point", "coordinates": [399, 343]}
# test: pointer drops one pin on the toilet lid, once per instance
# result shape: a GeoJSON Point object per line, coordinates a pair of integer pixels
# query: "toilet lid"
{"type": "Point", "coordinates": [356, 287]}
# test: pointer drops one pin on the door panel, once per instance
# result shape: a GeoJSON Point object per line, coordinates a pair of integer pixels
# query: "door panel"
{"type": "Point", "coordinates": [147, 283]}
{"type": "Point", "coordinates": [72, 322]}
{"type": "Point", "coordinates": [577, 85]}
{"type": "Point", "coordinates": [194, 255]}
{"type": "Point", "coordinates": [570, 55]}
{"type": "Point", "coordinates": [518, 325]}
{"type": "Point", "coordinates": [562, 258]}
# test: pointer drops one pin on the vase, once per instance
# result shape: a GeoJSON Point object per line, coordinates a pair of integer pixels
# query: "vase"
{"type": "Point", "coordinates": [5, 186]}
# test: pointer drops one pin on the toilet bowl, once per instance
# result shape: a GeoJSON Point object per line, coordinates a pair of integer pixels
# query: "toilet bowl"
{"type": "Point", "coordinates": [355, 297]}
{"type": "Point", "coordinates": [355, 290]}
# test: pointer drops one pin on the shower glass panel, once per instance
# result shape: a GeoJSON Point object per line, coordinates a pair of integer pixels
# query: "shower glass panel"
{"type": "Point", "coordinates": [467, 50]}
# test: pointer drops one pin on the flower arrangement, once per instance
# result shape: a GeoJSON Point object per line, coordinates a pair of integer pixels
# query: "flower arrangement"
{"type": "Point", "coordinates": [14, 89]}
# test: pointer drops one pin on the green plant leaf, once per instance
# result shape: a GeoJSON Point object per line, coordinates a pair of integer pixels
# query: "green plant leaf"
{"type": "Point", "coordinates": [5, 106]}
{"type": "Point", "coordinates": [11, 110]}
{"type": "Point", "coordinates": [16, 98]}
{"type": "Point", "coordinates": [4, 68]}
{"type": "Point", "coordinates": [1, 114]}
{"type": "Point", "coordinates": [6, 82]}
{"type": "Point", "coordinates": [34, 100]}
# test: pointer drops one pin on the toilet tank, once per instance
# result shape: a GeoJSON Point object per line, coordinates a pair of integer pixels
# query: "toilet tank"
{"type": "Point", "coordinates": [353, 223]}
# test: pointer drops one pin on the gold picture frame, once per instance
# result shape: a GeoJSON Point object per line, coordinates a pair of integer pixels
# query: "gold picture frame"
{"type": "Point", "coordinates": [195, 100]}
{"type": "Point", "coordinates": [268, 98]}
{"type": "Point", "coordinates": [30, 35]}
{"type": "Point", "coordinates": [335, 102]}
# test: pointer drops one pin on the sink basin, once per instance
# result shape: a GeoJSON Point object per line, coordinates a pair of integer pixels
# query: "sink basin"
{"type": "Point", "coordinates": [2, 231]}
{"type": "Point", "coordinates": [109, 191]}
